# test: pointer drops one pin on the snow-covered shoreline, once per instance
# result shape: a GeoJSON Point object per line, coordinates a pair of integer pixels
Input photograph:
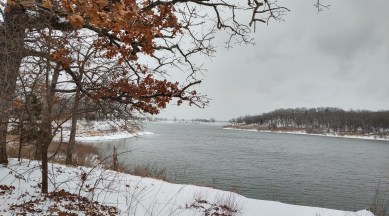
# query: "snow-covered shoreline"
{"type": "Point", "coordinates": [302, 132]}
{"type": "Point", "coordinates": [98, 131]}
{"type": "Point", "coordinates": [128, 194]}
{"type": "Point", "coordinates": [134, 195]}
{"type": "Point", "coordinates": [111, 136]}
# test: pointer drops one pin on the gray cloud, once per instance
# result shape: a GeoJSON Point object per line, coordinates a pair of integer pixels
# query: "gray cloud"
{"type": "Point", "coordinates": [336, 58]}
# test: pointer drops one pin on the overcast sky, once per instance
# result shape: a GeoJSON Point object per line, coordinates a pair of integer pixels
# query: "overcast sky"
{"type": "Point", "coordinates": [337, 58]}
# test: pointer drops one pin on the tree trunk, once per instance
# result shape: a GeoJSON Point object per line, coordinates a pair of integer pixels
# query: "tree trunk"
{"type": "Point", "coordinates": [45, 172]}
{"type": "Point", "coordinates": [73, 130]}
{"type": "Point", "coordinates": [12, 45]}
{"type": "Point", "coordinates": [21, 141]}
{"type": "Point", "coordinates": [45, 140]}
{"type": "Point", "coordinates": [3, 141]}
{"type": "Point", "coordinates": [115, 164]}
{"type": "Point", "coordinates": [38, 147]}
{"type": "Point", "coordinates": [46, 135]}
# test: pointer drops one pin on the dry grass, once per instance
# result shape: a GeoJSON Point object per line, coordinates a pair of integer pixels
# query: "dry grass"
{"type": "Point", "coordinates": [83, 155]}
{"type": "Point", "coordinates": [147, 171]}
{"type": "Point", "coordinates": [151, 171]}
{"type": "Point", "coordinates": [222, 205]}
{"type": "Point", "coordinates": [380, 203]}
{"type": "Point", "coordinates": [88, 156]}
{"type": "Point", "coordinates": [93, 133]}
{"type": "Point", "coordinates": [27, 151]}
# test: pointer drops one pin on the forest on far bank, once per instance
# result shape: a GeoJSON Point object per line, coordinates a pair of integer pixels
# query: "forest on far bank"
{"type": "Point", "coordinates": [330, 119]}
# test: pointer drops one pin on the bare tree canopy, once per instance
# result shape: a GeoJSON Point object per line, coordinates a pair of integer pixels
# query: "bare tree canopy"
{"type": "Point", "coordinates": [147, 38]}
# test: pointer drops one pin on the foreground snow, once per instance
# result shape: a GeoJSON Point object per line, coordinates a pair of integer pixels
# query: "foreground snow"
{"type": "Point", "coordinates": [303, 132]}
{"type": "Point", "coordinates": [134, 195]}
{"type": "Point", "coordinates": [92, 131]}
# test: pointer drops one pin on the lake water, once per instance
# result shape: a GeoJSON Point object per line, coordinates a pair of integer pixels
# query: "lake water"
{"type": "Point", "coordinates": [327, 172]}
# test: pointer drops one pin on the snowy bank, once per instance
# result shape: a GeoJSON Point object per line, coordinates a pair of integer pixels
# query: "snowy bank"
{"type": "Point", "coordinates": [132, 195]}
{"type": "Point", "coordinates": [303, 132]}
{"type": "Point", "coordinates": [95, 131]}
{"type": "Point", "coordinates": [110, 136]}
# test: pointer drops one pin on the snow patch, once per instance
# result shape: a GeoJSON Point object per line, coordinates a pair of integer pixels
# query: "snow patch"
{"type": "Point", "coordinates": [96, 131]}
{"type": "Point", "coordinates": [133, 195]}
{"type": "Point", "coordinates": [31, 13]}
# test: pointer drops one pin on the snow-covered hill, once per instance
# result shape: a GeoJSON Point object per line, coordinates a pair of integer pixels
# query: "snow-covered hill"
{"type": "Point", "coordinates": [117, 193]}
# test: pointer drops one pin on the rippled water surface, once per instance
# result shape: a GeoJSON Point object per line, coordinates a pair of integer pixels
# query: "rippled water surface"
{"type": "Point", "coordinates": [307, 170]}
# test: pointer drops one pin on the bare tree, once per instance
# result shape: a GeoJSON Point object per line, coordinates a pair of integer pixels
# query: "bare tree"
{"type": "Point", "coordinates": [156, 30]}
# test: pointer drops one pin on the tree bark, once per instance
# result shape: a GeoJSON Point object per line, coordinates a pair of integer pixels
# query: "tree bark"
{"type": "Point", "coordinates": [21, 141]}
{"type": "Point", "coordinates": [12, 36]}
{"type": "Point", "coordinates": [38, 146]}
{"type": "Point", "coordinates": [46, 135]}
{"type": "Point", "coordinates": [73, 130]}
{"type": "Point", "coordinates": [45, 141]}
{"type": "Point", "coordinates": [45, 172]}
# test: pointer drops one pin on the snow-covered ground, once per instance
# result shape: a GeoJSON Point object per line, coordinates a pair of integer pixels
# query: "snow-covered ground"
{"type": "Point", "coordinates": [132, 195]}
{"type": "Point", "coordinates": [303, 132]}
{"type": "Point", "coordinates": [92, 131]}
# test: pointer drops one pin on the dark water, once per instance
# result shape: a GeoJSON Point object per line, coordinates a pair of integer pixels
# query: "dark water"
{"type": "Point", "coordinates": [307, 170]}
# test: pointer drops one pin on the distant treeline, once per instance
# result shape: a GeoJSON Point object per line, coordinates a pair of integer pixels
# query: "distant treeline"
{"type": "Point", "coordinates": [211, 120]}
{"type": "Point", "coordinates": [323, 118]}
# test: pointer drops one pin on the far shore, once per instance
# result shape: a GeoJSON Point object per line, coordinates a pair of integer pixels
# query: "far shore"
{"type": "Point", "coordinates": [302, 131]}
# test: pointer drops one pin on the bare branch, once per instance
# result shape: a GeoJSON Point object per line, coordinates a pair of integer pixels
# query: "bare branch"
{"type": "Point", "coordinates": [320, 6]}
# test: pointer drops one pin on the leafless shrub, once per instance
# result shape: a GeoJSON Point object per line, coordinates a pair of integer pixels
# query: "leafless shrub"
{"type": "Point", "coordinates": [222, 205]}
{"type": "Point", "coordinates": [230, 203]}
{"type": "Point", "coordinates": [27, 152]}
{"type": "Point", "coordinates": [151, 171]}
{"type": "Point", "coordinates": [83, 154]}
